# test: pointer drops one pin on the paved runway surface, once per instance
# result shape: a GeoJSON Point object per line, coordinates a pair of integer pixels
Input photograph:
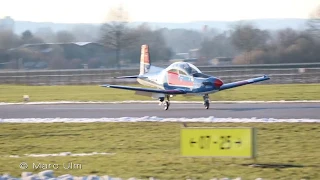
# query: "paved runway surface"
{"type": "Point", "coordinates": [270, 110]}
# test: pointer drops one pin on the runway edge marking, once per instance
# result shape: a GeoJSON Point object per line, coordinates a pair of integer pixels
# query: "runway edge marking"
{"type": "Point", "coordinates": [141, 102]}
{"type": "Point", "coordinates": [156, 119]}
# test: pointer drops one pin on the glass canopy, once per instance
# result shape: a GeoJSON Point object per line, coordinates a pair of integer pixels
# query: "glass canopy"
{"type": "Point", "coordinates": [187, 67]}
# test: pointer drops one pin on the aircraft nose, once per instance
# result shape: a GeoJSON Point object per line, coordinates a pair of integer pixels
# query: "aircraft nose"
{"type": "Point", "coordinates": [217, 83]}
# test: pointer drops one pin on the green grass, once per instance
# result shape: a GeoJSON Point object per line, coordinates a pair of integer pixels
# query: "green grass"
{"type": "Point", "coordinates": [14, 93]}
{"type": "Point", "coordinates": [152, 149]}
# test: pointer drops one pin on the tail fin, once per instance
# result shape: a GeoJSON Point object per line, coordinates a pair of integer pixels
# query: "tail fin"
{"type": "Point", "coordinates": [144, 59]}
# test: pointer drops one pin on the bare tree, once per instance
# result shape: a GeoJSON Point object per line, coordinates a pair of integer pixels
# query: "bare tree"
{"type": "Point", "coordinates": [286, 37]}
{"type": "Point", "coordinates": [85, 33]}
{"type": "Point", "coordinates": [182, 40]}
{"type": "Point", "coordinates": [28, 38]}
{"type": "Point", "coordinates": [65, 37]}
{"type": "Point", "coordinates": [143, 34]}
{"type": "Point", "coordinates": [314, 23]}
{"type": "Point", "coordinates": [115, 33]}
{"type": "Point", "coordinates": [8, 39]}
{"type": "Point", "coordinates": [246, 37]}
{"type": "Point", "coordinates": [46, 34]}
{"type": "Point", "coordinates": [218, 46]}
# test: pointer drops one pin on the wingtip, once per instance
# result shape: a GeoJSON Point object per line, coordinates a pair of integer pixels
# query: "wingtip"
{"type": "Point", "coordinates": [105, 85]}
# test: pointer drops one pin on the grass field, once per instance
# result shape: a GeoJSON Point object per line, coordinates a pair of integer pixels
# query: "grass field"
{"type": "Point", "coordinates": [14, 93]}
{"type": "Point", "coordinates": [152, 149]}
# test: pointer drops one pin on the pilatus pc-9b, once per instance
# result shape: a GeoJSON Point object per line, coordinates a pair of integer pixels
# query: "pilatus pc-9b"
{"type": "Point", "coordinates": [179, 78]}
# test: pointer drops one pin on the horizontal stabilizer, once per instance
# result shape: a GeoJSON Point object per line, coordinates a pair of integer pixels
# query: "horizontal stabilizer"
{"type": "Point", "coordinates": [132, 77]}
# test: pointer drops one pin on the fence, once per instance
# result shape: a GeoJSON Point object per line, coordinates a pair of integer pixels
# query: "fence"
{"type": "Point", "coordinates": [280, 74]}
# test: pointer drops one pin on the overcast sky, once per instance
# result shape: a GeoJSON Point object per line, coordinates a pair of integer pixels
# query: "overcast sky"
{"type": "Point", "coordinates": [95, 11]}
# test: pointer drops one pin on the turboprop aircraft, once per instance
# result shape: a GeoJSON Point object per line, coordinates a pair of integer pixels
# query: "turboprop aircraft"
{"type": "Point", "coordinates": [179, 78]}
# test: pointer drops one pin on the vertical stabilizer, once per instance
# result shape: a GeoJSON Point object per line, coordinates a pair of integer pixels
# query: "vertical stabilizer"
{"type": "Point", "coordinates": [144, 59]}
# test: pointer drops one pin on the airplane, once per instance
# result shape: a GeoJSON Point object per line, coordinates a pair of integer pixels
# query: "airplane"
{"type": "Point", "coordinates": [179, 78]}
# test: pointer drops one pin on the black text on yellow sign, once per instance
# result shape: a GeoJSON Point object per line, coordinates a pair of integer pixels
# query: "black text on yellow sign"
{"type": "Point", "coordinates": [218, 142]}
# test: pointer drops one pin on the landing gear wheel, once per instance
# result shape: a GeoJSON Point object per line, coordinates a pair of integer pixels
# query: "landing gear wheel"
{"type": "Point", "coordinates": [206, 104]}
{"type": "Point", "coordinates": [206, 101]}
{"type": "Point", "coordinates": [166, 105]}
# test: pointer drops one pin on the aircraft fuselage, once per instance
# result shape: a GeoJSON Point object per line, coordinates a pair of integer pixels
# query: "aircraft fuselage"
{"type": "Point", "coordinates": [162, 79]}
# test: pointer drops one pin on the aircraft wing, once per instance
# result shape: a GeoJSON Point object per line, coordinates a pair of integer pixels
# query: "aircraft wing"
{"type": "Point", "coordinates": [244, 82]}
{"type": "Point", "coordinates": [175, 91]}
{"type": "Point", "coordinates": [133, 77]}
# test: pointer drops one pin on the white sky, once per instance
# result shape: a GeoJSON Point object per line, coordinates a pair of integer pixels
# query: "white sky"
{"type": "Point", "coordinates": [95, 11]}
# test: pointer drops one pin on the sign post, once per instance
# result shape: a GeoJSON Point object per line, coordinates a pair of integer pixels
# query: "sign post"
{"type": "Point", "coordinates": [218, 142]}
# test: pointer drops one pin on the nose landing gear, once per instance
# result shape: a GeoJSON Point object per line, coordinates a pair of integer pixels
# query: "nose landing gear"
{"type": "Point", "coordinates": [206, 100]}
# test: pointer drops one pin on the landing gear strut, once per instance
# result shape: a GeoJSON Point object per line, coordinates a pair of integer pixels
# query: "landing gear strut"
{"type": "Point", "coordinates": [206, 101]}
{"type": "Point", "coordinates": [165, 104]}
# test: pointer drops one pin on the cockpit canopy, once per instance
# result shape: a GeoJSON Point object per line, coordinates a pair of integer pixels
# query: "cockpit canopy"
{"type": "Point", "coordinates": [185, 67]}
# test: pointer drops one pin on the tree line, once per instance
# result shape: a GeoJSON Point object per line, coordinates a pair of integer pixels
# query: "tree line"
{"type": "Point", "coordinates": [244, 42]}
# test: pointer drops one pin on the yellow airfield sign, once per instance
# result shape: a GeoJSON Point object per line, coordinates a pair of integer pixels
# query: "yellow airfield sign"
{"type": "Point", "coordinates": [218, 142]}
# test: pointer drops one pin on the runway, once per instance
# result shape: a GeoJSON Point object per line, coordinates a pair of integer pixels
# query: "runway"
{"type": "Point", "coordinates": [218, 110]}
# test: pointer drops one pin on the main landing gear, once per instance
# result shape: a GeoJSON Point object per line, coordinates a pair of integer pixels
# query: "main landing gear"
{"type": "Point", "coordinates": [206, 100]}
{"type": "Point", "coordinates": [166, 103]}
